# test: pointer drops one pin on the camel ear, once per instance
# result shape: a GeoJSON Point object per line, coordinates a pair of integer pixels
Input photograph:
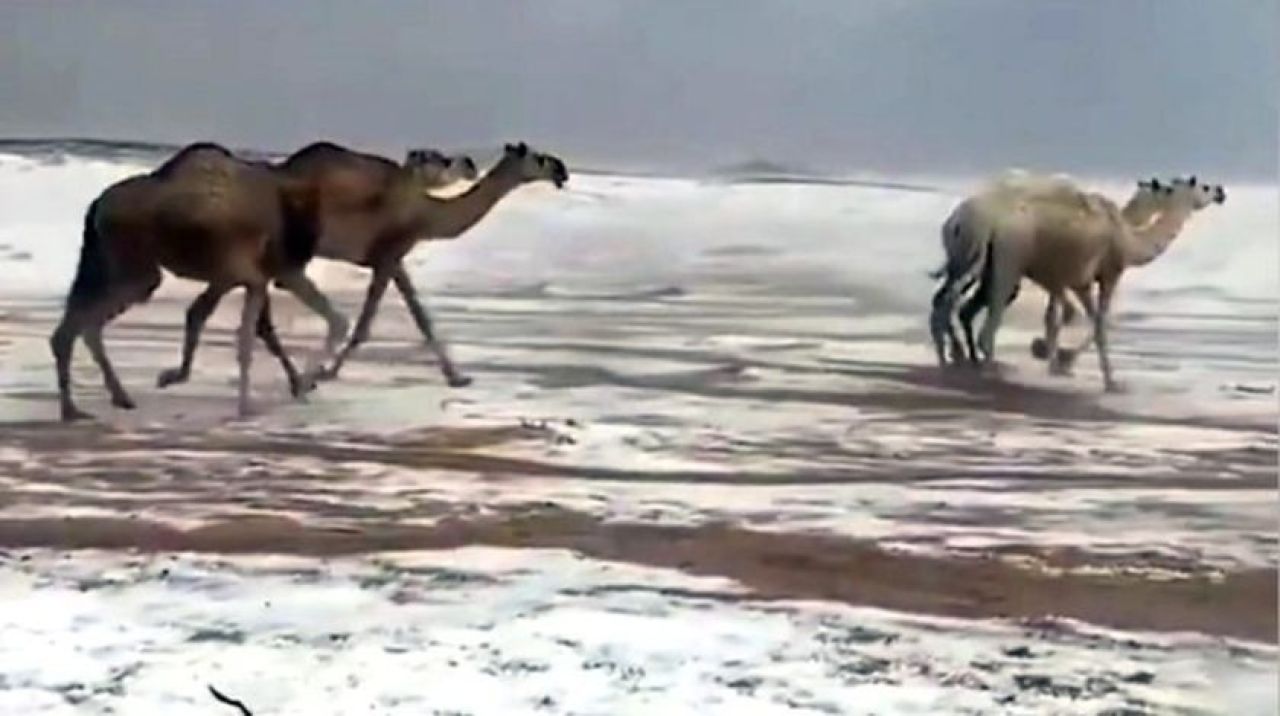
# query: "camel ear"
{"type": "Point", "coordinates": [1192, 180]}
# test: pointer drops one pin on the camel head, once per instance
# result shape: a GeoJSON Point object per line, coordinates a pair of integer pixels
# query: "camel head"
{"type": "Point", "coordinates": [463, 168]}
{"type": "Point", "coordinates": [1151, 198]}
{"type": "Point", "coordinates": [531, 166]}
{"type": "Point", "coordinates": [435, 169]}
{"type": "Point", "coordinates": [1195, 194]}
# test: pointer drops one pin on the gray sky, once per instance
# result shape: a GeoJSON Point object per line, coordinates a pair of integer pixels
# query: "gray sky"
{"type": "Point", "coordinates": [1110, 86]}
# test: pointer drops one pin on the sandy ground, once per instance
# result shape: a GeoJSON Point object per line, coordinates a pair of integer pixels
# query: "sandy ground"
{"type": "Point", "coordinates": [1031, 513]}
{"type": "Point", "coordinates": [707, 466]}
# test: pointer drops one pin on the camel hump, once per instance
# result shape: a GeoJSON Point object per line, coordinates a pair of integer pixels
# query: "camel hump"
{"type": "Point", "coordinates": [197, 156]}
{"type": "Point", "coordinates": [1060, 189]}
{"type": "Point", "coordinates": [1023, 181]}
{"type": "Point", "coordinates": [317, 150]}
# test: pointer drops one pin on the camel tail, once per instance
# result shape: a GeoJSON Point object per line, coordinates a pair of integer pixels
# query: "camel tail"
{"type": "Point", "coordinates": [92, 272]}
{"type": "Point", "coordinates": [965, 256]}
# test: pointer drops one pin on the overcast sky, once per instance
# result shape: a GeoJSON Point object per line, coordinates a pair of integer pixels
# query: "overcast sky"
{"type": "Point", "coordinates": [1101, 86]}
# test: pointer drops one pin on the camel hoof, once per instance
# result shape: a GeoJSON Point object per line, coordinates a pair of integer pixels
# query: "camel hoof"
{"type": "Point", "coordinates": [459, 381]}
{"type": "Point", "coordinates": [1067, 357]}
{"type": "Point", "coordinates": [123, 402]}
{"type": "Point", "coordinates": [1059, 367]}
{"type": "Point", "coordinates": [170, 377]}
{"type": "Point", "coordinates": [1115, 388]}
{"type": "Point", "coordinates": [74, 414]}
{"type": "Point", "coordinates": [311, 379]}
{"type": "Point", "coordinates": [304, 384]}
{"type": "Point", "coordinates": [1039, 349]}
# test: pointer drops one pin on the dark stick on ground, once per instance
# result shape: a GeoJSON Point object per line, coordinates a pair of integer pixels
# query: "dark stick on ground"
{"type": "Point", "coordinates": [223, 698]}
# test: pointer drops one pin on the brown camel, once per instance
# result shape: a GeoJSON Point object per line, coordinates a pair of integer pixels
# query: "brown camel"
{"type": "Point", "coordinates": [427, 169]}
{"type": "Point", "coordinates": [203, 215]}
{"type": "Point", "coordinates": [371, 212]}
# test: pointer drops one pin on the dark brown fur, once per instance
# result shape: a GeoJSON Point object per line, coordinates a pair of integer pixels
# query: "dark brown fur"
{"type": "Point", "coordinates": [203, 215]}
{"type": "Point", "coordinates": [389, 203]}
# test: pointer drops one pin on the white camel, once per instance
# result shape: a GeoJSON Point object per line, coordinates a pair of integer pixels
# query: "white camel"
{"type": "Point", "coordinates": [967, 232]}
{"type": "Point", "coordinates": [1148, 201]}
{"type": "Point", "coordinates": [1072, 245]}
{"type": "Point", "coordinates": [1179, 199]}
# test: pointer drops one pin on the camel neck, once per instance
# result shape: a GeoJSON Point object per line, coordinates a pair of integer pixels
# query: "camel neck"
{"type": "Point", "coordinates": [1140, 211]}
{"type": "Point", "coordinates": [449, 218]}
{"type": "Point", "coordinates": [1152, 240]}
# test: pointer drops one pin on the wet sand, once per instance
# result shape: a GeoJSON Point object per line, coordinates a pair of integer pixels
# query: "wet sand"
{"type": "Point", "coordinates": [787, 567]}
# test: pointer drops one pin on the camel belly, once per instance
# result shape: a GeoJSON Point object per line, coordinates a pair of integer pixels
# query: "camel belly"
{"type": "Point", "coordinates": [1063, 269]}
{"type": "Point", "coordinates": [346, 237]}
{"type": "Point", "coordinates": [230, 260]}
{"type": "Point", "coordinates": [1065, 258]}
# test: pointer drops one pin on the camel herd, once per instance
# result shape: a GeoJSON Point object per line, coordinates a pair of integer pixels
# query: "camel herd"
{"type": "Point", "coordinates": [1062, 238]}
{"type": "Point", "coordinates": [228, 222]}
{"type": "Point", "coordinates": [210, 216]}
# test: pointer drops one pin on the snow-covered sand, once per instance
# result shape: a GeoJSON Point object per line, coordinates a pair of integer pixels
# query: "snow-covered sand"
{"type": "Point", "coordinates": [503, 632]}
{"type": "Point", "coordinates": [649, 351]}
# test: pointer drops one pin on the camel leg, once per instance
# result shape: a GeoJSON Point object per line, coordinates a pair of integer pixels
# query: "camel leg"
{"type": "Point", "coordinates": [1067, 356]}
{"type": "Point", "coordinates": [93, 340]}
{"type": "Point", "coordinates": [967, 314]}
{"type": "Point", "coordinates": [197, 315]}
{"type": "Point", "coordinates": [364, 324]}
{"type": "Point", "coordinates": [940, 324]}
{"type": "Point", "coordinates": [420, 317]}
{"type": "Point", "coordinates": [254, 298]}
{"type": "Point", "coordinates": [306, 291]}
{"type": "Point", "coordinates": [89, 320]}
{"type": "Point", "coordinates": [1052, 325]}
{"type": "Point", "coordinates": [1106, 290]}
{"type": "Point", "coordinates": [970, 310]}
{"type": "Point", "coordinates": [1068, 312]}
{"type": "Point", "coordinates": [267, 332]}
{"type": "Point", "coordinates": [1040, 348]}
{"type": "Point", "coordinates": [1005, 278]}
{"type": "Point", "coordinates": [62, 343]}
{"type": "Point", "coordinates": [978, 300]}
